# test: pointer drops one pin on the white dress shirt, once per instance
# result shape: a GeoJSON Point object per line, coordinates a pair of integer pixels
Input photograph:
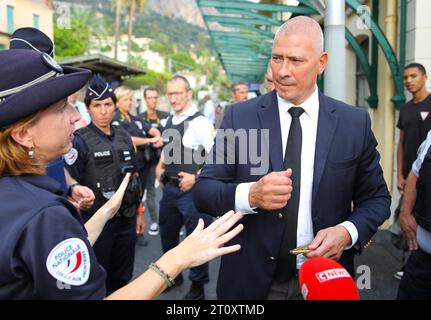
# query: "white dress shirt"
{"type": "Point", "coordinates": [309, 121]}
{"type": "Point", "coordinates": [200, 131]}
{"type": "Point", "coordinates": [209, 111]}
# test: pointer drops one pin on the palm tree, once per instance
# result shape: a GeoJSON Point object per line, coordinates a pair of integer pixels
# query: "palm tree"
{"type": "Point", "coordinates": [132, 6]}
{"type": "Point", "coordinates": [117, 26]}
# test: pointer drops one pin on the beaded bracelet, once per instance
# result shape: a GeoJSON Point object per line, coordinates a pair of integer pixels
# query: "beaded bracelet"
{"type": "Point", "coordinates": [167, 278]}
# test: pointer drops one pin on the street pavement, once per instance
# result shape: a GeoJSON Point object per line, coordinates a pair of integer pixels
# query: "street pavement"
{"type": "Point", "coordinates": [381, 259]}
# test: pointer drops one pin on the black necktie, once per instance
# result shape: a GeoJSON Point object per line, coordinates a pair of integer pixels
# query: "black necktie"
{"type": "Point", "coordinates": [286, 265]}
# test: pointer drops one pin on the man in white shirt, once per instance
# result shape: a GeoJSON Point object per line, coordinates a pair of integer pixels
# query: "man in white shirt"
{"type": "Point", "coordinates": [189, 137]}
{"type": "Point", "coordinates": [415, 221]}
{"type": "Point", "coordinates": [209, 111]}
{"type": "Point", "coordinates": [317, 157]}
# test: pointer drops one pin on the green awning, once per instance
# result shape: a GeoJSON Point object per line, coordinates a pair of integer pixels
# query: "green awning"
{"type": "Point", "coordinates": [241, 33]}
{"type": "Point", "coordinates": [109, 68]}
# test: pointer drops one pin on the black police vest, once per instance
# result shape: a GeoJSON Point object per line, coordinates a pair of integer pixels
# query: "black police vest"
{"type": "Point", "coordinates": [107, 162]}
{"type": "Point", "coordinates": [135, 129]}
{"type": "Point", "coordinates": [423, 196]}
{"type": "Point", "coordinates": [188, 155]}
{"type": "Point", "coordinates": [156, 123]}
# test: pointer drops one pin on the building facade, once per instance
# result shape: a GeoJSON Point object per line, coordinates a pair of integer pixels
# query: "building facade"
{"type": "Point", "coordinates": [16, 14]}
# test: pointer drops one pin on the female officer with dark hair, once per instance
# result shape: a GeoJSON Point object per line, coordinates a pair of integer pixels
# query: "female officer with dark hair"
{"type": "Point", "coordinates": [45, 253]}
{"type": "Point", "coordinates": [100, 156]}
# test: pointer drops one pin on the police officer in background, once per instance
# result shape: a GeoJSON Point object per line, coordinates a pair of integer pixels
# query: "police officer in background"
{"type": "Point", "coordinates": [157, 119]}
{"type": "Point", "coordinates": [100, 157]}
{"type": "Point", "coordinates": [143, 136]}
{"type": "Point", "coordinates": [190, 135]}
{"type": "Point", "coordinates": [415, 221]}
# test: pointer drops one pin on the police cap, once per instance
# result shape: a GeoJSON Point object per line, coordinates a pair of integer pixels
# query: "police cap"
{"type": "Point", "coordinates": [31, 38]}
{"type": "Point", "coordinates": [31, 81]}
{"type": "Point", "coordinates": [98, 89]}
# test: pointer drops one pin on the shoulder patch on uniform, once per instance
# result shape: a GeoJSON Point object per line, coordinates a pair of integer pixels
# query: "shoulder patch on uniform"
{"type": "Point", "coordinates": [71, 156]}
{"type": "Point", "coordinates": [69, 262]}
{"type": "Point", "coordinates": [139, 125]}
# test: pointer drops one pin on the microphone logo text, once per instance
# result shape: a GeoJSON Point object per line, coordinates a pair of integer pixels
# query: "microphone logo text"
{"type": "Point", "coordinates": [332, 274]}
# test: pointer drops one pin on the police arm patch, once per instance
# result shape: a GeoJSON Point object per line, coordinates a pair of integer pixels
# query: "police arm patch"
{"type": "Point", "coordinates": [71, 156]}
{"type": "Point", "coordinates": [139, 125]}
{"type": "Point", "coordinates": [69, 262]}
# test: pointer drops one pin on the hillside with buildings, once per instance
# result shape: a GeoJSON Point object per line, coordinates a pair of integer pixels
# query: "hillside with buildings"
{"type": "Point", "coordinates": [185, 10]}
{"type": "Point", "coordinates": [166, 38]}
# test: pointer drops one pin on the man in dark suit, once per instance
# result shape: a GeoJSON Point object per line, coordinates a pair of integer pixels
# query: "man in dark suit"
{"type": "Point", "coordinates": [318, 183]}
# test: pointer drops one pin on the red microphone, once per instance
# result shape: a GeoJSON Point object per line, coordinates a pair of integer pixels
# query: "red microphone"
{"type": "Point", "coordinates": [325, 279]}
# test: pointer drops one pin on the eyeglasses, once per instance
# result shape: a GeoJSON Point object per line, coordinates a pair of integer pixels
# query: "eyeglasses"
{"type": "Point", "coordinates": [176, 94]}
{"type": "Point", "coordinates": [151, 98]}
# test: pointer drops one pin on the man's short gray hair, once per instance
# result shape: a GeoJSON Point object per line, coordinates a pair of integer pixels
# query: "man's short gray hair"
{"type": "Point", "coordinates": [303, 25]}
{"type": "Point", "coordinates": [183, 79]}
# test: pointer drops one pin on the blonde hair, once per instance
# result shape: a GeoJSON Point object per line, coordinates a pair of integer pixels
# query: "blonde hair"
{"type": "Point", "coordinates": [123, 91]}
{"type": "Point", "coordinates": [14, 158]}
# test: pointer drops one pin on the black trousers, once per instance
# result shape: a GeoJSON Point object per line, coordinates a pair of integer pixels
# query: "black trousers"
{"type": "Point", "coordinates": [416, 281]}
{"type": "Point", "coordinates": [177, 208]}
{"type": "Point", "coordinates": [115, 251]}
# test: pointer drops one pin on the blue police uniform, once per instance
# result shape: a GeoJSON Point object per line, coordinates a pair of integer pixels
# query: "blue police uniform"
{"type": "Point", "coordinates": [136, 128]}
{"type": "Point", "coordinates": [55, 170]}
{"type": "Point", "coordinates": [76, 169]}
{"type": "Point", "coordinates": [154, 154]}
{"type": "Point", "coordinates": [177, 207]}
{"type": "Point", "coordinates": [115, 247]}
{"type": "Point", "coordinates": [44, 249]}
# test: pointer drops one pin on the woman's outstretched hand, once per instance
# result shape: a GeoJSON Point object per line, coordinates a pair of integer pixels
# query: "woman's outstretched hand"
{"type": "Point", "coordinates": [203, 245]}
{"type": "Point", "coordinates": [113, 205]}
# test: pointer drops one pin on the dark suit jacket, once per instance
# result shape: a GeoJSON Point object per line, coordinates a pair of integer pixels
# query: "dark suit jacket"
{"type": "Point", "coordinates": [348, 185]}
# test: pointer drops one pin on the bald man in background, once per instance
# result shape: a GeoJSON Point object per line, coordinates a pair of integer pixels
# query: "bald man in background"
{"type": "Point", "coordinates": [321, 158]}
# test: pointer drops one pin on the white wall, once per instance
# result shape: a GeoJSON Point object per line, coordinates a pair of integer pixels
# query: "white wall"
{"type": "Point", "coordinates": [419, 35]}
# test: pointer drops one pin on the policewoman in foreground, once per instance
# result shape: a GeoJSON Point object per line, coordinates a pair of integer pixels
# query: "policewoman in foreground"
{"type": "Point", "coordinates": [44, 250]}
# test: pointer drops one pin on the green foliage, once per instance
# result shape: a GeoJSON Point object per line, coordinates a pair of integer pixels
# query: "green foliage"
{"type": "Point", "coordinates": [106, 48]}
{"type": "Point", "coordinates": [153, 25]}
{"type": "Point", "coordinates": [224, 84]}
{"type": "Point", "coordinates": [163, 45]}
{"type": "Point", "coordinates": [174, 39]}
{"type": "Point", "coordinates": [224, 95]}
{"type": "Point", "coordinates": [135, 47]}
{"type": "Point", "coordinates": [137, 60]}
{"type": "Point", "coordinates": [73, 41]}
{"type": "Point", "coordinates": [183, 61]}
{"type": "Point", "coordinates": [152, 78]}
